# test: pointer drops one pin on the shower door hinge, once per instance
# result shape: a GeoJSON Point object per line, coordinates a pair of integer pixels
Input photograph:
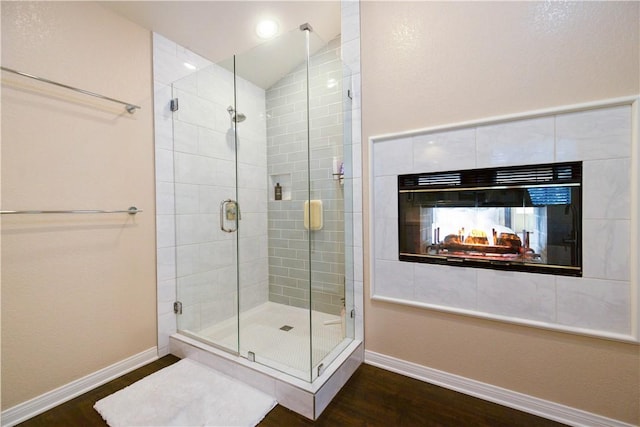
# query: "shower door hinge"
{"type": "Point", "coordinates": [174, 104]}
{"type": "Point", "coordinates": [349, 94]}
{"type": "Point", "coordinates": [353, 313]}
{"type": "Point", "coordinates": [177, 307]}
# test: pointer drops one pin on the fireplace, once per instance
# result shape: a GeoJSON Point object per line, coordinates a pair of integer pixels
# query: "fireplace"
{"type": "Point", "coordinates": [520, 218]}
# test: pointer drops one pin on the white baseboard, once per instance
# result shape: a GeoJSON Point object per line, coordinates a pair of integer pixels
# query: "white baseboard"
{"type": "Point", "coordinates": [37, 405]}
{"type": "Point", "coordinates": [491, 393]}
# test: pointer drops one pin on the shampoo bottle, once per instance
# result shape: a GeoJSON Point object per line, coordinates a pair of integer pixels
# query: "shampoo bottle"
{"type": "Point", "coordinates": [278, 191]}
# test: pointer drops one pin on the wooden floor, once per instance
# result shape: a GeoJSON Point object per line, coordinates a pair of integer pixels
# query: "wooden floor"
{"type": "Point", "coordinates": [372, 397]}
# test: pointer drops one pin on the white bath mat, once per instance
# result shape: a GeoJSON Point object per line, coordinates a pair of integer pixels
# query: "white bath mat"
{"type": "Point", "coordinates": [186, 393]}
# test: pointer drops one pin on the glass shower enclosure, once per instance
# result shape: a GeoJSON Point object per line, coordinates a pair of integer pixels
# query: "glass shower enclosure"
{"type": "Point", "coordinates": [261, 145]}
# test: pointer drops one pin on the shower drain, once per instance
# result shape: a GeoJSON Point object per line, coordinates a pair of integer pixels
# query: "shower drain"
{"type": "Point", "coordinates": [286, 328]}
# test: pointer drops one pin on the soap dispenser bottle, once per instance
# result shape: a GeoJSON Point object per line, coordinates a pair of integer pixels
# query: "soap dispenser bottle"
{"type": "Point", "coordinates": [278, 191]}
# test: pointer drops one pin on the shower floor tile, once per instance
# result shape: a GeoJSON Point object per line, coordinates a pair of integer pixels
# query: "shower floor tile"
{"type": "Point", "coordinates": [262, 333]}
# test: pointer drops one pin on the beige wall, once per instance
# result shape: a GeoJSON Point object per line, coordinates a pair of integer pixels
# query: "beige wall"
{"type": "Point", "coordinates": [78, 292]}
{"type": "Point", "coordinates": [434, 63]}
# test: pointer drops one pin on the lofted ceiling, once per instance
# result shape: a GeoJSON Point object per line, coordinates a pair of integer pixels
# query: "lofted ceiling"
{"type": "Point", "coordinates": [217, 30]}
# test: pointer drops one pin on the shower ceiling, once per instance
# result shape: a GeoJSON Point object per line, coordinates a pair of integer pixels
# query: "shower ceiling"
{"type": "Point", "coordinates": [217, 30]}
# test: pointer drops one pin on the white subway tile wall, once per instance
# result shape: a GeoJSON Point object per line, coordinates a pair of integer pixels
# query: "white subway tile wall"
{"type": "Point", "coordinates": [598, 301]}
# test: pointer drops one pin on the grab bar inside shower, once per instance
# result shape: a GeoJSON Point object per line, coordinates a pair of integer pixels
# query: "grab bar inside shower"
{"type": "Point", "coordinates": [132, 211]}
{"type": "Point", "coordinates": [131, 108]}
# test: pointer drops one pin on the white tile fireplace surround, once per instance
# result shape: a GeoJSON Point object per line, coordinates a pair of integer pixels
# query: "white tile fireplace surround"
{"type": "Point", "coordinates": [604, 136]}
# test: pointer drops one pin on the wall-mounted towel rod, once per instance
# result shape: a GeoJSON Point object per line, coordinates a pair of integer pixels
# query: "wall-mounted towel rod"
{"type": "Point", "coordinates": [131, 108]}
{"type": "Point", "coordinates": [132, 210]}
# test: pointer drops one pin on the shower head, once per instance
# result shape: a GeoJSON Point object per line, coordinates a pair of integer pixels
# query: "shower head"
{"type": "Point", "coordinates": [235, 116]}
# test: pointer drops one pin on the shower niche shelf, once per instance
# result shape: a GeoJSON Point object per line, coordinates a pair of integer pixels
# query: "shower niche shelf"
{"type": "Point", "coordinates": [285, 182]}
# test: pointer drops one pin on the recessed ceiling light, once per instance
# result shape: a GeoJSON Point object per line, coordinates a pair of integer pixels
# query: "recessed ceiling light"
{"type": "Point", "coordinates": [267, 28]}
{"type": "Point", "coordinates": [190, 66]}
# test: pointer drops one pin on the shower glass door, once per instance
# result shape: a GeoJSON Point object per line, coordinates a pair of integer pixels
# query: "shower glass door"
{"type": "Point", "coordinates": [260, 196]}
{"type": "Point", "coordinates": [273, 152]}
{"type": "Point", "coordinates": [206, 215]}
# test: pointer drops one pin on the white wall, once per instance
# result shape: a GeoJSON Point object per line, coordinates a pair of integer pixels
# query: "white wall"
{"type": "Point", "coordinates": [78, 291]}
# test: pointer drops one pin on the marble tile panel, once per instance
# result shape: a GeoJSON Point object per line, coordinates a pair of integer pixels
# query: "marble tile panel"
{"type": "Point", "coordinates": [357, 195]}
{"type": "Point", "coordinates": [446, 286]}
{"type": "Point", "coordinates": [214, 361]}
{"type": "Point", "coordinates": [253, 224]}
{"type": "Point", "coordinates": [606, 247]}
{"type": "Point", "coordinates": [594, 135]}
{"type": "Point", "coordinates": [190, 168]}
{"type": "Point", "coordinates": [358, 305]}
{"type": "Point", "coordinates": [356, 104]}
{"type": "Point", "coordinates": [185, 55]}
{"type": "Point", "coordinates": [208, 84]}
{"type": "Point", "coordinates": [164, 198]}
{"type": "Point", "coordinates": [357, 229]}
{"type": "Point", "coordinates": [257, 380]}
{"type": "Point", "coordinates": [385, 197]}
{"type": "Point", "coordinates": [165, 231]}
{"type": "Point", "coordinates": [186, 84]}
{"type": "Point", "coordinates": [445, 151]}
{"type": "Point", "coordinates": [250, 176]}
{"type": "Point", "coordinates": [332, 386]}
{"type": "Point", "coordinates": [351, 55]}
{"type": "Point", "coordinates": [198, 111]}
{"type": "Point", "coordinates": [356, 160]}
{"type": "Point", "coordinates": [187, 260]}
{"type": "Point", "coordinates": [166, 327]}
{"type": "Point", "coordinates": [164, 165]}
{"type": "Point", "coordinates": [348, 231]}
{"type": "Point", "coordinates": [183, 350]}
{"type": "Point", "coordinates": [186, 198]}
{"type": "Point", "coordinates": [222, 91]}
{"type": "Point", "coordinates": [166, 263]}
{"type": "Point", "coordinates": [386, 239]}
{"type": "Point", "coordinates": [515, 294]}
{"type": "Point", "coordinates": [295, 399]}
{"type": "Point", "coordinates": [594, 304]}
{"type": "Point", "coordinates": [252, 200]}
{"type": "Point", "coordinates": [394, 279]}
{"type": "Point", "coordinates": [392, 157]}
{"type": "Point", "coordinates": [358, 264]}
{"type": "Point", "coordinates": [166, 296]}
{"type": "Point", "coordinates": [163, 117]}
{"type": "Point", "coordinates": [185, 137]}
{"type": "Point", "coordinates": [606, 189]}
{"type": "Point", "coordinates": [522, 142]}
{"type": "Point", "coordinates": [196, 228]}
{"type": "Point", "coordinates": [166, 69]}
{"type": "Point", "coordinates": [214, 143]}
{"type": "Point", "coordinates": [210, 197]}
{"type": "Point", "coordinates": [216, 254]}
{"type": "Point", "coordinates": [252, 150]}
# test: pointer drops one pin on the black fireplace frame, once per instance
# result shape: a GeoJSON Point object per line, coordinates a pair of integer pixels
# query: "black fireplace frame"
{"type": "Point", "coordinates": [512, 179]}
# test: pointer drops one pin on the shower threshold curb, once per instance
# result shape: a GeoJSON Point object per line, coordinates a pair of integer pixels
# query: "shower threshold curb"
{"type": "Point", "coordinates": [307, 399]}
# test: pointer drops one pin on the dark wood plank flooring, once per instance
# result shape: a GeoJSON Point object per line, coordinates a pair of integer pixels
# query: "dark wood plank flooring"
{"type": "Point", "coordinates": [372, 397]}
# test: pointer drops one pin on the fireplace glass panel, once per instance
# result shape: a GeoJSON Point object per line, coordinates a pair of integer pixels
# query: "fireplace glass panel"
{"type": "Point", "coordinates": [494, 218]}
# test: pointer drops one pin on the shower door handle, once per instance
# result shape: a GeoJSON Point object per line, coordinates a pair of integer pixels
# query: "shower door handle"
{"type": "Point", "coordinates": [229, 210]}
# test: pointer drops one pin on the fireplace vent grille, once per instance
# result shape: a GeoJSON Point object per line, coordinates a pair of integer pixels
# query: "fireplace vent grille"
{"type": "Point", "coordinates": [557, 173]}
